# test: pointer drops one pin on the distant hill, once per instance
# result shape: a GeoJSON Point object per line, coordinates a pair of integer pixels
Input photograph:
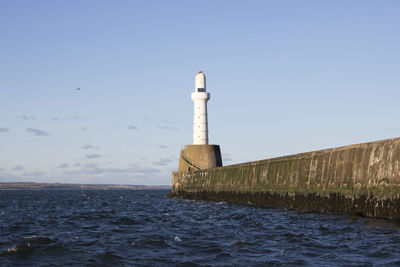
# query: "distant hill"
{"type": "Point", "coordinates": [40, 186]}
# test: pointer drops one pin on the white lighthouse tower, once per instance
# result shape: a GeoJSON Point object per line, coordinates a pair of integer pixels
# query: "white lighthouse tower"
{"type": "Point", "coordinates": [200, 121]}
{"type": "Point", "coordinates": [200, 155]}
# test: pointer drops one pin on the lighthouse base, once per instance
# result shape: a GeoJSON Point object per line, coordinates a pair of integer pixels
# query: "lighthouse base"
{"type": "Point", "coordinates": [199, 157]}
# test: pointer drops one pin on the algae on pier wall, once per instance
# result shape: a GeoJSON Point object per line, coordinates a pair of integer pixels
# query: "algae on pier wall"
{"type": "Point", "coordinates": [366, 173]}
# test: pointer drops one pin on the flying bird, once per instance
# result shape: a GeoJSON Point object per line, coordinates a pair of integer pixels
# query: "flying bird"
{"type": "Point", "coordinates": [78, 88]}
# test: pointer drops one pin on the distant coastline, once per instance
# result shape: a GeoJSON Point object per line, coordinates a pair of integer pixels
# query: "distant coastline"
{"type": "Point", "coordinates": [60, 186]}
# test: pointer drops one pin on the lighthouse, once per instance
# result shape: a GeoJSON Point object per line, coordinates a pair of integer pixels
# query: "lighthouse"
{"type": "Point", "coordinates": [200, 155]}
{"type": "Point", "coordinates": [200, 121]}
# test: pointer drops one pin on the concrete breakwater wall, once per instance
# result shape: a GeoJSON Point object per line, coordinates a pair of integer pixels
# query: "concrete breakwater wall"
{"type": "Point", "coordinates": [361, 179]}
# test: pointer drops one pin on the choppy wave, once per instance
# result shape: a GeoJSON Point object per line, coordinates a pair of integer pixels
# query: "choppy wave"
{"type": "Point", "coordinates": [144, 228]}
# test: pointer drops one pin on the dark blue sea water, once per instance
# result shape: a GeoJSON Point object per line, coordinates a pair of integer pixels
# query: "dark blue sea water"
{"type": "Point", "coordinates": [145, 228]}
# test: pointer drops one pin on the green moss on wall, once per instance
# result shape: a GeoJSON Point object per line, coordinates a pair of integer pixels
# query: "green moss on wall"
{"type": "Point", "coordinates": [370, 169]}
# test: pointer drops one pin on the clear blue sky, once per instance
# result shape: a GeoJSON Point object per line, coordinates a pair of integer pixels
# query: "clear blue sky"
{"type": "Point", "coordinates": [284, 76]}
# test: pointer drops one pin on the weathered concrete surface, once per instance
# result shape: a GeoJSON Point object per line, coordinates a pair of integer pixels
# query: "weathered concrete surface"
{"type": "Point", "coordinates": [360, 179]}
{"type": "Point", "coordinates": [199, 157]}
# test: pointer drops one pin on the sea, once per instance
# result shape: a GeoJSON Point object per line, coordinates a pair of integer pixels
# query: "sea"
{"type": "Point", "coordinates": [145, 228]}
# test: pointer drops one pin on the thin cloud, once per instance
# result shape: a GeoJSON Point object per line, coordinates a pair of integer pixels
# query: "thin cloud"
{"type": "Point", "coordinates": [166, 127]}
{"type": "Point", "coordinates": [93, 156]}
{"type": "Point", "coordinates": [132, 127]}
{"type": "Point", "coordinates": [27, 118]}
{"type": "Point", "coordinates": [226, 157]}
{"type": "Point", "coordinates": [63, 166]}
{"type": "Point", "coordinates": [71, 118]}
{"type": "Point", "coordinates": [143, 170]}
{"type": "Point", "coordinates": [35, 173]}
{"type": "Point", "coordinates": [94, 169]}
{"type": "Point", "coordinates": [37, 132]}
{"type": "Point", "coordinates": [91, 166]}
{"type": "Point", "coordinates": [18, 168]}
{"type": "Point", "coordinates": [136, 164]}
{"type": "Point", "coordinates": [4, 130]}
{"type": "Point", "coordinates": [89, 147]}
{"type": "Point", "coordinates": [162, 162]}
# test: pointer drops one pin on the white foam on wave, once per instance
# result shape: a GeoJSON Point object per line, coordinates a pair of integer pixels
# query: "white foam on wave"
{"type": "Point", "coordinates": [12, 249]}
{"type": "Point", "coordinates": [18, 247]}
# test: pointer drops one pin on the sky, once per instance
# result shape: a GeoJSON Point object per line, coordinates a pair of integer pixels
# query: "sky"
{"type": "Point", "coordinates": [285, 77]}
